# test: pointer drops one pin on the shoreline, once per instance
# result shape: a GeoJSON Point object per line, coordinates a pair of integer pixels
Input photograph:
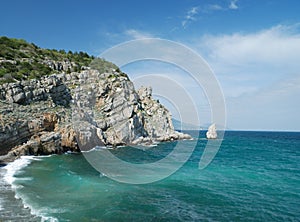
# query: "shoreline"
{"type": "Point", "coordinates": [10, 156]}
{"type": "Point", "coordinates": [12, 207]}
{"type": "Point", "coordinates": [5, 159]}
{"type": "Point", "coordinates": [12, 202]}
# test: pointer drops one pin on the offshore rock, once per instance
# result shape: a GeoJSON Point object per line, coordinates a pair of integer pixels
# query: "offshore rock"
{"type": "Point", "coordinates": [212, 132]}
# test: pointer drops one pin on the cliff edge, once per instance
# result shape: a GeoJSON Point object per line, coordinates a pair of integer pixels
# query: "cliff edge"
{"type": "Point", "coordinates": [65, 112]}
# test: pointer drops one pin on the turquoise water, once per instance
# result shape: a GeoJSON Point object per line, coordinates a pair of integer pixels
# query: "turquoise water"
{"type": "Point", "coordinates": [254, 177]}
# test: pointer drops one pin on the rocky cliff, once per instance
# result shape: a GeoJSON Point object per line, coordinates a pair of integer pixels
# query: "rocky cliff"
{"type": "Point", "coordinates": [65, 112]}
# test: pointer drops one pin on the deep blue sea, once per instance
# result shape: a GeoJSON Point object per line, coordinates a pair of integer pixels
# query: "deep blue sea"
{"type": "Point", "coordinates": [255, 176]}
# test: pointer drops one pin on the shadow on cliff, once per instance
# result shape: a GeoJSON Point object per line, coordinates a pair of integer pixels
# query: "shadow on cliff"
{"type": "Point", "coordinates": [23, 109]}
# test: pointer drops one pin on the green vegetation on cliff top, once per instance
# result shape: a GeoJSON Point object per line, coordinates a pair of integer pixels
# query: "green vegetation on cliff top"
{"type": "Point", "coordinates": [20, 60]}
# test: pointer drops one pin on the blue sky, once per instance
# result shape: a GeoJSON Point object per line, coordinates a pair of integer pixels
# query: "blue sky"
{"type": "Point", "coordinates": [253, 46]}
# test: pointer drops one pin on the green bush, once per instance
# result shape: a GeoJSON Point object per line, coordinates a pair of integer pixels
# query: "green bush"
{"type": "Point", "coordinates": [2, 72]}
{"type": "Point", "coordinates": [102, 65]}
{"type": "Point", "coordinates": [7, 78]}
{"type": "Point", "coordinates": [17, 75]}
{"type": "Point", "coordinates": [19, 50]}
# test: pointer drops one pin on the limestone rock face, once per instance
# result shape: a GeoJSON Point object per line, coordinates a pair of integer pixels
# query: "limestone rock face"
{"type": "Point", "coordinates": [25, 92]}
{"type": "Point", "coordinates": [212, 132]}
{"type": "Point", "coordinates": [12, 134]}
{"type": "Point", "coordinates": [68, 138]}
{"type": "Point", "coordinates": [65, 112]}
{"type": "Point", "coordinates": [121, 115]}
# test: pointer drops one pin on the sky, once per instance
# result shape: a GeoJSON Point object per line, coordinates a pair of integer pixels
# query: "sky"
{"type": "Point", "coordinates": [252, 46]}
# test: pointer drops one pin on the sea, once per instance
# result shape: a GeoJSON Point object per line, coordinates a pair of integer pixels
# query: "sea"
{"type": "Point", "coordinates": [255, 176]}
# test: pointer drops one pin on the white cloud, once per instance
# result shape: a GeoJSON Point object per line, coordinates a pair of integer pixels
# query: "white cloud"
{"type": "Point", "coordinates": [233, 4]}
{"type": "Point", "coordinates": [135, 34]}
{"type": "Point", "coordinates": [254, 59]}
{"type": "Point", "coordinates": [190, 16]}
{"type": "Point", "coordinates": [214, 7]}
{"type": "Point", "coordinates": [193, 13]}
{"type": "Point", "coordinates": [260, 76]}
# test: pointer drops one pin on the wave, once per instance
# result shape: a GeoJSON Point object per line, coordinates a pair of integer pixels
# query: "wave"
{"type": "Point", "coordinates": [97, 148]}
{"type": "Point", "coordinates": [12, 169]}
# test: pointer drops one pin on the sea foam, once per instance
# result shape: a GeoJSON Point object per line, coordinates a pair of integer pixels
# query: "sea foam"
{"type": "Point", "coordinates": [12, 169]}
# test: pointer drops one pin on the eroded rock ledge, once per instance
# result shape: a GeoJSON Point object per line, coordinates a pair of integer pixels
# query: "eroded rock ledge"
{"type": "Point", "coordinates": [63, 112]}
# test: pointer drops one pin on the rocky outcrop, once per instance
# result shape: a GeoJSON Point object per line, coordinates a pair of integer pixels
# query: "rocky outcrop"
{"type": "Point", "coordinates": [115, 114]}
{"type": "Point", "coordinates": [26, 92]}
{"type": "Point", "coordinates": [65, 112]}
{"type": "Point", "coordinates": [35, 129]}
{"type": "Point", "coordinates": [212, 132]}
{"type": "Point", "coordinates": [60, 65]}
